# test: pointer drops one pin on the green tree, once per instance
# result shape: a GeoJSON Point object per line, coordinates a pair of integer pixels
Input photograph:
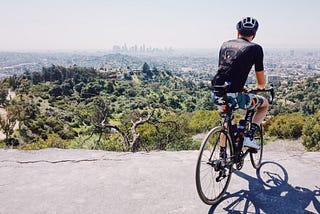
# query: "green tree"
{"type": "Point", "coordinates": [24, 86]}
{"type": "Point", "coordinates": [13, 82]}
{"type": "Point", "coordinates": [56, 91]}
{"type": "Point", "coordinates": [36, 78]}
{"type": "Point", "coordinates": [110, 87]}
{"type": "Point", "coordinates": [90, 90]}
{"type": "Point", "coordinates": [3, 96]}
{"type": "Point", "coordinates": [145, 68]}
{"type": "Point", "coordinates": [155, 71]}
{"type": "Point", "coordinates": [78, 87]}
{"type": "Point", "coordinates": [147, 71]}
{"type": "Point", "coordinates": [311, 133]}
{"type": "Point", "coordinates": [8, 121]}
{"type": "Point", "coordinates": [67, 88]}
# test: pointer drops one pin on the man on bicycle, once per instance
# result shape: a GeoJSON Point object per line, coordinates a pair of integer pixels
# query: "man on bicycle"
{"type": "Point", "coordinates": [236, 58]}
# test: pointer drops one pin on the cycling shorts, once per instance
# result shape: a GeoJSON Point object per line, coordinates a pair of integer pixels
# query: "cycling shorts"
{"type": "Point", "coordinates": [247, 101]}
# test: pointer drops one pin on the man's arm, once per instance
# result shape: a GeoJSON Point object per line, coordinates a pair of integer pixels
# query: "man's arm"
{"type": "Point", "coordinates": [261, 80]}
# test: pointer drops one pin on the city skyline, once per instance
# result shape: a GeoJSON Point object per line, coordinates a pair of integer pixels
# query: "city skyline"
{"type": "Point", "coordinates": [188, 24]}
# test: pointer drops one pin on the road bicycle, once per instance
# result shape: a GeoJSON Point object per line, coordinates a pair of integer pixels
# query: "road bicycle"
{"type": "Point", "coordinates": [213, 173]}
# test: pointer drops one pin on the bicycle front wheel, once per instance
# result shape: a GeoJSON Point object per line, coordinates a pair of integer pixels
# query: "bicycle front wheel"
{"type": "Point", "coordinates": [256, 155]}
{"type": "Point", "coordinates": [213, 174]}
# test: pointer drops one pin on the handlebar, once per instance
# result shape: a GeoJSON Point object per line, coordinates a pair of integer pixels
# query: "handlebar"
{"type": "Point", "coordinates": [223, 88]}
{"type": "Point", "coordinates": [271, 90]}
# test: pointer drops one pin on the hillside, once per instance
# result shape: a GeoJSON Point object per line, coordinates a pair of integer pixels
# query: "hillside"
{"type": "Point", "coordinates": [79, 107]}
{"type": "Point", "coordinates": [133, 110]}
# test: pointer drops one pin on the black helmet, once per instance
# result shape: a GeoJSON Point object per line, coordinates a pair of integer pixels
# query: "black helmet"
{"type": "Point", "coordinates": [247, 26]}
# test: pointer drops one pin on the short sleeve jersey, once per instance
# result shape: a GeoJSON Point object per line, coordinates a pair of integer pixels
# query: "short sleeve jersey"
{"type": "Point", "coordinates": [238, 56]}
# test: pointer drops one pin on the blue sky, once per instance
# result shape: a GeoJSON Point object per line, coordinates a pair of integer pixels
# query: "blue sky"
{"type": "Point", "coordinates": [100, 24]}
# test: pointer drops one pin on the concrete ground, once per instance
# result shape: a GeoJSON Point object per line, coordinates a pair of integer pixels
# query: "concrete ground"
{"type": "Point", "coordinates": [57, 181]}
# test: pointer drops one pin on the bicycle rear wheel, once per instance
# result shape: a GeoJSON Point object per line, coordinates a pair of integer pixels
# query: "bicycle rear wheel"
{"type": "Point", "coordinates": [256, 155]}
{"type": "Point", "coordinates": [212, 174]}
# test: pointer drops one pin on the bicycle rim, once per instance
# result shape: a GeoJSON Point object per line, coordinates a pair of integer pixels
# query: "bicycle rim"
{"type": "Point", "coordinates": [256, 156]}
{"type": "Point", "coordinates": [210, 189]}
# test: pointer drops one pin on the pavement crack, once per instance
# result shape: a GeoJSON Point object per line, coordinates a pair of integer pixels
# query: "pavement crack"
{"type": "Point", "coordinates": [52, 162]}
{"type": "Point", "coordinates": [60, 161]}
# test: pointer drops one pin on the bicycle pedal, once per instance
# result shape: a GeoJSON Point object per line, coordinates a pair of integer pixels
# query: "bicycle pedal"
{"type": "Point", "coordinates": [240, 164]}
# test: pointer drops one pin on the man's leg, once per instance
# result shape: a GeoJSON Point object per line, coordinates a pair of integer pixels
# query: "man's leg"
{"type": "Point", "coordinates": [222, 143]}
{"type": "Point", "coordinates": [261, 112]}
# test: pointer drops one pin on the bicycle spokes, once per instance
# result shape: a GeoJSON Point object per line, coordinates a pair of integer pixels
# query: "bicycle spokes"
{"type": "Point", "coordinates": [213, 172]}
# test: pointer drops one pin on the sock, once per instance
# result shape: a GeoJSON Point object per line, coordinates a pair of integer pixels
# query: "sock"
{"type": "Point", "coordinates": [252, 130]}
{"type": "Point", "coordinates": [223, 152]}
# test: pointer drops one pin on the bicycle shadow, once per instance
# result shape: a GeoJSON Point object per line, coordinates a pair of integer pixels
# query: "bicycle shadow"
{"type": "Point", "coordinates": [270, 192]}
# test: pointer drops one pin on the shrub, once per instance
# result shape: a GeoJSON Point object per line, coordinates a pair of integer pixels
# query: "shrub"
{"type": "Point", "coordinates": [288, 126]}
{"type": "Point", "coordinates": [203, 120]}
{"type": "Point", "coordinates": [311, 133]}
{"type": "Point", "coordinates": [172, 133]}
{"type": "Point", "coordinates": [55, 141]}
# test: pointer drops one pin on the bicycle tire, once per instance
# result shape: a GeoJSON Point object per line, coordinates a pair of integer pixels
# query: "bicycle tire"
{"type": "Point", "coordinates": [211, 190]}
{"type": "Point", "coordinates": [256, 156]}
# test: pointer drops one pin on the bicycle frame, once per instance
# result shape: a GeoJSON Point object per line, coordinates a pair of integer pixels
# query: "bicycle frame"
{"type": "Point", "coordinates": [228, 125]}
{"type": "Point", "coordinates": [229, 122]}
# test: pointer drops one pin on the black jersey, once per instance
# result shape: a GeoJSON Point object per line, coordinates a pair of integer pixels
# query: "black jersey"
{"type": "Point", "coordinates": [236, 59]}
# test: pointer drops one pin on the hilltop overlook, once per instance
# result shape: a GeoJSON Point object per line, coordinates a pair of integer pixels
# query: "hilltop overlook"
{"type": "Point", "coordinates": [82, 181]}
{"type": "Point", "coordinates": [135, 107]}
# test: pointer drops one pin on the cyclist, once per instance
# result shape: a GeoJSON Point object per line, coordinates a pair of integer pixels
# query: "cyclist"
{"type": "Point", "coordinates": [236, 58]}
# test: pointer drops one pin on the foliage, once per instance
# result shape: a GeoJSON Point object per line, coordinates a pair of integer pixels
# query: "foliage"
{"type": "Point", "coordinates": [8, 121]}
{"type": "Point", "coordinates": [78, 107]}
{"type": "Point", "coordinates": [311, 133]}
{"type": "Point", "coordinates": [287, 126]}
{"type": "Point", "coordinates": [298, 97]}
{"type": "Point", "coordinates": [171, 133]}
{"type": "Point", "coordinates": [3, 96]}
{"type": "Point", "coordinates": [204, 120]}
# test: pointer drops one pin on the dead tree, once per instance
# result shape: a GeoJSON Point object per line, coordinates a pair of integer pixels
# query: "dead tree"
{"type": "Point", "coordinates": [130, 138]}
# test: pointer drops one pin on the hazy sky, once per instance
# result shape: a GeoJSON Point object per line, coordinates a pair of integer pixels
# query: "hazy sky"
{"type": "Point", "coordinates": [100, 24]}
